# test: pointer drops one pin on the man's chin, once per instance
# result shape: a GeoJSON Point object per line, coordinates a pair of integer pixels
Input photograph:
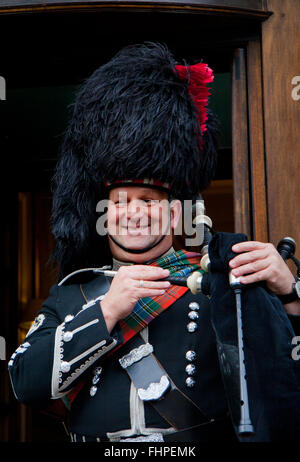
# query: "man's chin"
{"type": "Point", "coordinates": [134, 242]}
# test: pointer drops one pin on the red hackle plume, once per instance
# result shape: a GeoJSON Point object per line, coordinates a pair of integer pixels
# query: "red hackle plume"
{"type": "Point", "coordinates": [198, 76]}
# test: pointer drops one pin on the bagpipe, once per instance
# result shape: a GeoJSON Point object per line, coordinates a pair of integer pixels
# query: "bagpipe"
{"type": "Point", "coordinates": [235, 307]}
{"type": "Point", "coordinates": [215, 255]}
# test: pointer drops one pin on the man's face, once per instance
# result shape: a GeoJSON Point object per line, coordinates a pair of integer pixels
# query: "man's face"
{"type": "Point", "coordinates": [138, 216]}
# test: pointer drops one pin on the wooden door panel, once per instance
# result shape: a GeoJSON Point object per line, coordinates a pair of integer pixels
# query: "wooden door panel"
{"type": "Point", "coordinates": [240, 148]}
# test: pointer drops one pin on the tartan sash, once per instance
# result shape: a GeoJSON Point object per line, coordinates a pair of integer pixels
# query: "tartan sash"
{"type": "Point", "coordinates": [179, 263]}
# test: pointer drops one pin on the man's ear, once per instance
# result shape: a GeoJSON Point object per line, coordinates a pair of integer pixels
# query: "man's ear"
{"type": "Point", "coordinates": [175, 209]}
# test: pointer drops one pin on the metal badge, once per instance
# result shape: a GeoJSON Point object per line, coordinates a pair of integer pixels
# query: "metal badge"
{"type": "Point", "coordinates": [36, 324]}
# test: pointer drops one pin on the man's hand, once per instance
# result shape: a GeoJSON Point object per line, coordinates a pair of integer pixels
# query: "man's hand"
{"type": "Point", "coordinates": [125, 290]}
{"type": "Point", "coordinates": [261, 262]}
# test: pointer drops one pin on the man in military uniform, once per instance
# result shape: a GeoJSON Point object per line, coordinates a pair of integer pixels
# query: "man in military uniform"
{"type": "Point", "coordinates": [136, 357]}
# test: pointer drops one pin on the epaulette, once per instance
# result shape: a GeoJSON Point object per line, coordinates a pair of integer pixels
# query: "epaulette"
{"type": "Point", "coordinates": [87, 271]}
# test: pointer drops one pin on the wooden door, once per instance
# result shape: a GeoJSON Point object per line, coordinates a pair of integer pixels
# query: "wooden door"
{"type": "Point", "coordinates": [248, 152]}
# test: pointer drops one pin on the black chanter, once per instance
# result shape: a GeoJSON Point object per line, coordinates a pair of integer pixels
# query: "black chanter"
{"type": "Point", "coordinates": [198, 283]}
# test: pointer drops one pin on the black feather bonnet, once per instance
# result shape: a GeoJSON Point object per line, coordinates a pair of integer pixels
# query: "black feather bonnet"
{"type": "Point", "coordinates": [135, 117]}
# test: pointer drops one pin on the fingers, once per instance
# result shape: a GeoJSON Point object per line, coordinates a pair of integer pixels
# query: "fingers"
{"type": "Point", "coordinates": [255, 263]}
{"type": "Point", "coordinates": [253, 251]}
{"type": "Point", "coordinates": [146, 284]}
{"type": "Point", "coordinates": [144, 292]}
{"type": "Point", "coordinates": [261, 262]}
{"type": "Point", "coordinates": [140, 281]}
{"type": "Point", "coordinates": [248, 257]}
{"type": "Point", "coordinates": [253, 267]}
{"type": "Point", "coordinates": [249, 245]}
{"type": "Point", "coordinates": [255, 277]}
{"type": "Point", "coordinates": [258, 257]}
{"type": "Point", "coordinates": [138, 272]}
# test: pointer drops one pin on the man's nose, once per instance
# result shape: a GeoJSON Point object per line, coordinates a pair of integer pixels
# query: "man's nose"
{"type": "Point", "coordinates": [135, 208]}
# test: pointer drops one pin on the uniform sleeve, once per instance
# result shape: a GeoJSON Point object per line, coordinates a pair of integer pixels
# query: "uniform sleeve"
{"type": "Point", "coordinates": [65, 340]}
{"type": "Point", "coordinates": [295, 321]}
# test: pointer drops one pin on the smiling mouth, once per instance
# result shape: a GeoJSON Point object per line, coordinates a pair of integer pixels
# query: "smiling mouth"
{"type": "Point", "coordinates": [136, 230]}
{"type": "Point", "coordinates": [136, 227]}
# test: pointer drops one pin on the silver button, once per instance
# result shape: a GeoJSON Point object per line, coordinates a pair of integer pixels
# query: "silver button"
{"type": "Point", "coordinates": [93, 391]}
{"type": "Point", "coordinates": [67, 337]}
{"type": "Point", "coordinates": [69, 318]}
{"type": "Point", "coordinates": [193, 315]}
{"type": "Point", "coordinates": [97, 370]}
{"type": "Point", "coordinates": [190, 382]}
{"type": "Point", "coordinates": [190, 355]}
{"type": "Point", "coordinates": [192, 326]}
{"type": "Point", "coordinates": [65, 366]}
{"type": "Point", "coordinates": [190, 369]}
{"type": "Point", "coordinates": [96, 379]}
{"type": "Point", "coordinates": [194, 306]}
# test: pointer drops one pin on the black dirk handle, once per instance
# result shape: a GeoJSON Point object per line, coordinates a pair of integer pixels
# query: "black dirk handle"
{"type": "Point", "coordinates": [245, 426]}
